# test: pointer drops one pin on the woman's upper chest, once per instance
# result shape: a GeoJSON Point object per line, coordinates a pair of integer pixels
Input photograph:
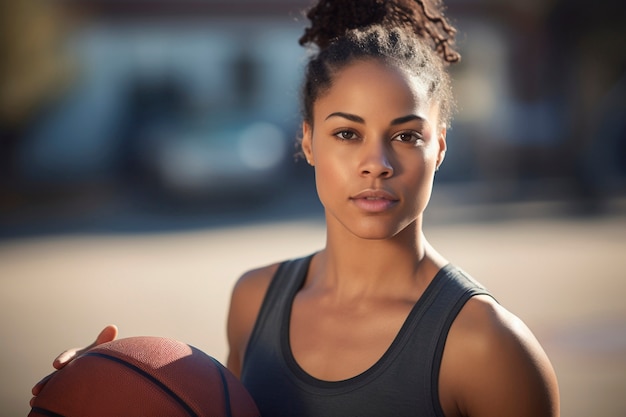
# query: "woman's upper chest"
{"type": "Point", "coordinates": [338, 341]}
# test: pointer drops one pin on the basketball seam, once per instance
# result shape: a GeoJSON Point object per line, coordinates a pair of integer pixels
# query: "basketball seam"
{"type": "Point", "coordinates": [225, 385]}
{"type": "Point", "coordinates": [145, 374]}
{"type": "Point", "coordinates": [45, 412]}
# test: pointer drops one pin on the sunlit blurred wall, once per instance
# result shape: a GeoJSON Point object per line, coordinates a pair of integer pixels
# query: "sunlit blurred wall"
{"type": "Point", "coordinates": [33, 66]}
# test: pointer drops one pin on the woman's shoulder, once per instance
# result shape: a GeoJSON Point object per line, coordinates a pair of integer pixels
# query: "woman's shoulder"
{"type": "Point", "coordinates": [249, 291]}
{"type": "Point", "coordinates": [487, 325]}
{"type": "Point", "coordinates": [255, 280]}
{"type": "Point", "coordinates": [494, 365]}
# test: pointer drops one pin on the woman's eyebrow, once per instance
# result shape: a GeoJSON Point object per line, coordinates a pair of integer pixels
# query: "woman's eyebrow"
{"type": "Point", "coordinates": [358, 119]}
{"type": "Point", "coordinates": [405, 119]}
{"type": "Point", "coordinates": [351, 117]}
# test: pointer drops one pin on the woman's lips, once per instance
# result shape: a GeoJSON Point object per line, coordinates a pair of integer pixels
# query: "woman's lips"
{"type": "Point", "coordinates": [374, 201]}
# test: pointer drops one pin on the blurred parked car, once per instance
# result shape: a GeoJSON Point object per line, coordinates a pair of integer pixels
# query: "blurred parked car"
{"type": "Point", "coordinates": [223, 156]}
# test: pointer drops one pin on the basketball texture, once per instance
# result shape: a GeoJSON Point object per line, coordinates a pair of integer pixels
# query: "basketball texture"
{"type": "Point", "coordinates": [144, 377]}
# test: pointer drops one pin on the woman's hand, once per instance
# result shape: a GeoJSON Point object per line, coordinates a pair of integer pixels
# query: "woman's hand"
{"type": "Point", "coordinates": [107, 334]}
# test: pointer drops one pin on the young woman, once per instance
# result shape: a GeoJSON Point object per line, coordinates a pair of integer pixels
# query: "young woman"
{"type": "Point", "coordinates": [377, 323]}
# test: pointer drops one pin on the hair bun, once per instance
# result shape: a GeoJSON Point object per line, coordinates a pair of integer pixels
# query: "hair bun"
{"type": "Point", "coordinates": [331, 19]}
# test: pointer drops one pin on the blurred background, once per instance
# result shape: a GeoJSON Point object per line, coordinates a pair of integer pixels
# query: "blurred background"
{"type": "Point", "coordinates": [147, 159]}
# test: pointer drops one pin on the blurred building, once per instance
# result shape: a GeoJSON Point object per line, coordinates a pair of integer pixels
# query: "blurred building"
{"type": "Point", "coordinates": [191, 98]}
{"type": "Point", "coordinates": [540, 92]}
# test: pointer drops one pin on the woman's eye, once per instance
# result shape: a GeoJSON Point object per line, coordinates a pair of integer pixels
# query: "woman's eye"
{"type": "Point", "coordinates": [409, 137]}
{"type": "Point", "coordinates": [346, 135]}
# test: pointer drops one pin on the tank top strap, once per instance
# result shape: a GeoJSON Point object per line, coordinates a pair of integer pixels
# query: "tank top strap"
{"type": "Point", "coordinates": [285, 283]}
{"type": "Point", "coordinates": [445, 297]}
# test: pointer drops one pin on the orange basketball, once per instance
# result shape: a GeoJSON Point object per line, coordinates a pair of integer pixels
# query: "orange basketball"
{"type": "Point", "coordinates": [144, 377]}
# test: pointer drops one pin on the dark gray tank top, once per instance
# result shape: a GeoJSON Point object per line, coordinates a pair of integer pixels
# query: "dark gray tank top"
{"type": "Point", "coordinates": [403, 382]}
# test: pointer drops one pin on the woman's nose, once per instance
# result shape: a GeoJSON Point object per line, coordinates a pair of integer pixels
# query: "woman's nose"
{"type": "Point", "coordinates": [376, 161]}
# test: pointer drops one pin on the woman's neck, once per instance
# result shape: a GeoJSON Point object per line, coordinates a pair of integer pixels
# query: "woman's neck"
{"type": "Point", "coordinates": [353, 267]}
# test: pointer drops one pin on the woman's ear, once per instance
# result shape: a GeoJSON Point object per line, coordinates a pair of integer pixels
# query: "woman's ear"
{"type": "Point", "coordinates": [307, 143]}
{"type": "Point", "coordinates": [441, 154]}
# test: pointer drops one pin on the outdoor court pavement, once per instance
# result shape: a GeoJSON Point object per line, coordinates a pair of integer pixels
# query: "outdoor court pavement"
{"type": "Point", "coordinates": [565, 277]}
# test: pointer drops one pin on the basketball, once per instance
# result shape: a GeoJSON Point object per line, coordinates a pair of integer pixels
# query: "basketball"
{"type": "Point", "coordinates": [141, 377]}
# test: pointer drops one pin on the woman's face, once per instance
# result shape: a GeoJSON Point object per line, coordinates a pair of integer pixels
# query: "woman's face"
{"type": "Point", "coordinates": [375, 142]}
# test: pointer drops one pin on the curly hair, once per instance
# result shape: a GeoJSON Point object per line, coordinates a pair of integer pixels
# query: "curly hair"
{"type": "Point", "coordinates": [412, 34]}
